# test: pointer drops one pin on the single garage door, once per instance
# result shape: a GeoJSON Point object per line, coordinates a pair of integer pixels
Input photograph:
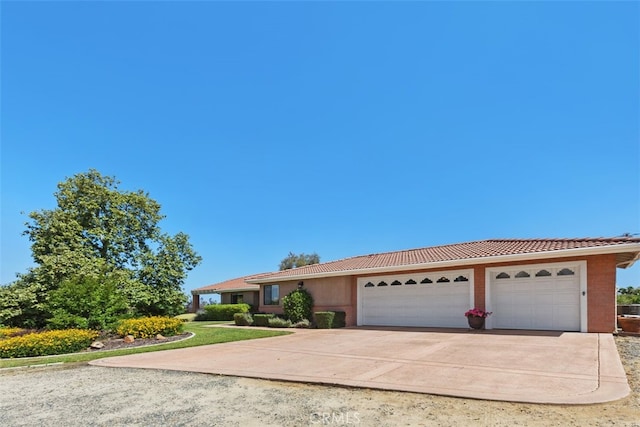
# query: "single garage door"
{"type": "Point", "coordinates": [437, 299]}
{"type": "Point", "coordinates": [543, 297]}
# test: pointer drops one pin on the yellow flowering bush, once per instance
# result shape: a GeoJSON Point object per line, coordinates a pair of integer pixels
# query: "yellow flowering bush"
{"type": "Point", "coordinates": [6, 332]}
{"type": "Point", "coordinates": [46, 343]}
{"type": "Point", "coordinates": [149, 327]}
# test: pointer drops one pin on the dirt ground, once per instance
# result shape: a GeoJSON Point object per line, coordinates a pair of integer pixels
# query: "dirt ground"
{"type": "Point", "coordinates": [81, 395]}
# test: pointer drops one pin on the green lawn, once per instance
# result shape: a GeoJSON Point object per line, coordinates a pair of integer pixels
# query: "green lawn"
{"type": "Point", "coordinates": [203, 336]}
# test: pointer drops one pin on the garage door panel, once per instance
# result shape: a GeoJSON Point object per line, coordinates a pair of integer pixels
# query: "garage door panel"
{"type": "Point", "coordinates": [420, 304]}
{"type": "Point", "coordinates": [547, 302]}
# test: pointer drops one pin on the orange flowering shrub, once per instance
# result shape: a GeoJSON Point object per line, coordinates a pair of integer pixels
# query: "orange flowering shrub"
{"type": "Point", "coordinates": [46, 343]}
{"type": "Point", "coordinates": [149, 327]}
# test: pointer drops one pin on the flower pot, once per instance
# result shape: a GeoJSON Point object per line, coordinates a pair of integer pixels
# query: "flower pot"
{"type": "Point", "coordinates": [629, 324]}
{"type": "Point", "coordinates": [476, 322]}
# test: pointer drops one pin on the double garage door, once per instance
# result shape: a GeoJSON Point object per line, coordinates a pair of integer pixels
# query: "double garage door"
{"type": "Point", "coordinates": [426, 299]}
{"type": "Point", "coordinates": [540, 297]}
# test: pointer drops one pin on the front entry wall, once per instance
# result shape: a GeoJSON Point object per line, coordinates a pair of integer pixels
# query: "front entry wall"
{"type": "Point", "coordinates": [428, 299]}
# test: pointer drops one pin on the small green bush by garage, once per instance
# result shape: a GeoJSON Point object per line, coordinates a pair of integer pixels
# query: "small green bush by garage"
{"type": "Point", "coordinates": [297, 305]}
{"type": "Point", "coordinates": [324, 319]}
{"type": "Point", "coordinates": [330, 319]}
{"type": "Point", "coordinates": [339, 319]}
{"type": "Point", "coordinates": [243, 319]}
{"type": "Point", "coordinates": [214, 312]}
{"type": "Point", "coordinates": [261, 319]}
{"type": "Point", "coordinates": [276, 322]}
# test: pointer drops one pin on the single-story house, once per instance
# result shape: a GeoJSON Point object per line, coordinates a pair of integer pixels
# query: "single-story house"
{"type": "Point", "coordinates": [538, 284]}
{"type": "Point", "coordinates": [234, 291]}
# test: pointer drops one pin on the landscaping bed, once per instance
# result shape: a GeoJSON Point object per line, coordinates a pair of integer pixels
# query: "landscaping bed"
{"type": "Point", "coordinates": [113, 342]}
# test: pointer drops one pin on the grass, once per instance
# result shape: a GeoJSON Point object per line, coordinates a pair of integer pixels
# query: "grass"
{"type": "Point", "coordinates": [203, 336]}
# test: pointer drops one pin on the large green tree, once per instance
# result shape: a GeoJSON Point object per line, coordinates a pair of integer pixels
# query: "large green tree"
{"type": "Point", "coordinates": [99, 231]}
{"type": "Point", "coordinates": [298, 260]}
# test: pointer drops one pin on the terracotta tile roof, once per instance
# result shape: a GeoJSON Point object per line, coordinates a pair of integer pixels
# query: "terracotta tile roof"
{"type": "Point", "coordinates": [482, 251]}
{"type": "Point", "coordinates": [229, 285]}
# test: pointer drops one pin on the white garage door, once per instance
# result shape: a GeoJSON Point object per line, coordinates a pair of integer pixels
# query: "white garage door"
{"type": "Point", "coordinates": [544, 297]}
{"type": "Point", "coordinates": [426, 299]}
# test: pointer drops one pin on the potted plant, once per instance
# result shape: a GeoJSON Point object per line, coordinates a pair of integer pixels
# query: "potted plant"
{"type": "Point", "coordinates": [476, 317]}
{"type": "Point", "coordinates": [629, 323]}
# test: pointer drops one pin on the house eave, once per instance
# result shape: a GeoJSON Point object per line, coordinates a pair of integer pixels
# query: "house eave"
{"type": "Point", "coordinates": [224, 291]}
{"type": "Point", "coordinates": [563, 253]}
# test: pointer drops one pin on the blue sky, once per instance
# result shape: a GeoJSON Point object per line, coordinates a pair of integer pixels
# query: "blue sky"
{"type": "Point", "coordinates": [342, 128]}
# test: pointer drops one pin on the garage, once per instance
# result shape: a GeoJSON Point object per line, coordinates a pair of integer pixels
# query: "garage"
{"type": "Point", "coordinates": [542, 297]}
{"type": "Point", "coordinates": [435, 299]}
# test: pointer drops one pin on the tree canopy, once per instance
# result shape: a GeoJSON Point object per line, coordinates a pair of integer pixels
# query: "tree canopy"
{"type": "Point", "coordinates": [629, 295]}
{"type": "Point", "coordinates": [293, 261]}
{"type": "Point", "coordinates": [101, 232]}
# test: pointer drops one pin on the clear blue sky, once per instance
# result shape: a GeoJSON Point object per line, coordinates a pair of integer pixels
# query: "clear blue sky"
{"type": "Point", "coordinates": [339, 128]}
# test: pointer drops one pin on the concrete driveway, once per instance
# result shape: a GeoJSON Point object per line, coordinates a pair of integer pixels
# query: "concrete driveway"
{"type": "Point", "coordinates": [517, 366]}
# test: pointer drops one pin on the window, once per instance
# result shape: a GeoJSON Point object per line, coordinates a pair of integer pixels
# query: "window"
{"type": "Point", "coordinates": [522, 274]}
{"type": "Point", "coordinates": [565, 272]}
{"type": "Point", "coordinates": [461, 279]}
{"type": "Point", "coordinates": [271, 294]}
{"type": "Point", "coordinates": [396, 283]}
{"type": "Point", "coordinates": [410, 282]}
{"type": "Point", "coordinates": [503, 275]}
{"type": "Point", "coordinates": [369, 285]}
{"type": "Point", "coordinates": [426, 280]}
{"type": "Point", "coordinates": [543, 273]}
{"type": "Point", "coordinates": [383, 283]}
{"type": "Point", "coordinates": [237, 299]}
{"type": "Point", "coordinates": [443, 280]}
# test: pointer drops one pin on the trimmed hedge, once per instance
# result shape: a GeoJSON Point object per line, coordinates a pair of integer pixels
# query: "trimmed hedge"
{"type": "Point", "coordinates": [339, 320]}
{"type": "Point", "coordinates": [261, 319]}
{"type": "Point", "coordinates": [149, 327]}
{"type": "Point", "coordinates": [222, 311]}
{"type": "Point", "coordinates": [276, 322]}
{"type": "Point", "coordinates": [324, 319]}
{"type": "Point", "coordinates": [46, 343]}
{"type": "Point", "coordinates": [242, 319]}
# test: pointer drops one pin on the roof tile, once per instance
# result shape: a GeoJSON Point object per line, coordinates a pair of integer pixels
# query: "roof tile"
{"type": "Point", "coordinates": [459, 251]}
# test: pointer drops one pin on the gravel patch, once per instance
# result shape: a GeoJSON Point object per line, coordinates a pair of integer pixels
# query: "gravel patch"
{"type": "Point", "coordinates": [82, 395]}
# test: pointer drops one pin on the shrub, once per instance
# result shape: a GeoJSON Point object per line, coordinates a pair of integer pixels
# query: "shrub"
{"type": "Point", "coordinates": [243, 319]}
{"type": "Point", "coordinates": [6, 332]}
{"type": "Point", "coordinates": [261, 319]}
{"type": "Point", "coordinates": [298, 305]}
{"type": "Point", "coordinates": [304, 323]}
{"type": "Point", "coordinates": [46, 343]}
{"type": "Point", "coordinates": [276, 322]}
{"type": "Point", "coordinates": [86, 303]}
{"type": "Point", "coordinates": [149, 327]}
{"type": "Point", "coordinates": [339, 319]}
{"type": "Point", "coordinates": [324, 319]}
{"type": "Point", "coordinates": [222, 311]}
